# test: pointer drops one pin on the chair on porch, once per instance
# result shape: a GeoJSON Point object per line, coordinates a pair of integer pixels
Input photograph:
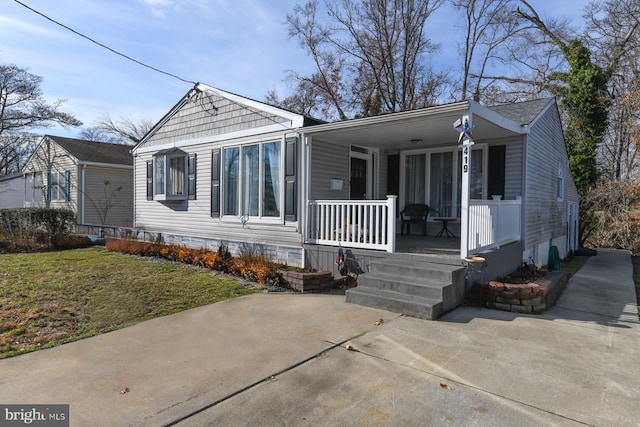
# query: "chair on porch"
{"type": "Point", "coordinates": [416, 214]}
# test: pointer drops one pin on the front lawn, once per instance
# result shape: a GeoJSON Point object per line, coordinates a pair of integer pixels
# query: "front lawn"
{"type": "Point", "coordinates": [49, 298]}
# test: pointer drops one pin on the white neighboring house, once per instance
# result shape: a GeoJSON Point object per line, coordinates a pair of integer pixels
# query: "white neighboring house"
{"type": "Point", "coordinates": [94, 179]}
{"type": "Point", "coordinates": [20, 190]}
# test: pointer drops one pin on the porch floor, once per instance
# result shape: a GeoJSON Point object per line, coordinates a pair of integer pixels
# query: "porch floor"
{"type": "Point", "coordinates": [418, 244]}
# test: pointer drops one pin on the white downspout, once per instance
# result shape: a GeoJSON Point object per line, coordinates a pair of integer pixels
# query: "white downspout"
{"type": "Point", "coordinates": [82, 204]}
{"type": "Point", "coordinates": [305, 144]}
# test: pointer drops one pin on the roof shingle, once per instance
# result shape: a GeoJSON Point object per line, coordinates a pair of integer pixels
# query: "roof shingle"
{"type": "Point", "coordinates": [95, 152]}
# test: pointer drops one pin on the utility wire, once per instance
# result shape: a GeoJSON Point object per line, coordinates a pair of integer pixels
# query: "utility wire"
{"type": "Point", "coordinates": [103, 45]}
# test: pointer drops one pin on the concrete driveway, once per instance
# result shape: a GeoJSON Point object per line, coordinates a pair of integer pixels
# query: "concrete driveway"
{"type": "Point", "coordinates": [280, 359]}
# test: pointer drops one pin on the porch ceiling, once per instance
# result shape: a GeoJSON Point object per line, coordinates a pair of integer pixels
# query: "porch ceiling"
{"type": "Point", "coordinates": [432, 129]}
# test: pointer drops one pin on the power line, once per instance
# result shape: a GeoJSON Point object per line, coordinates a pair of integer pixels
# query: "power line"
{"type": "Point", "coordinates": [103, 45]}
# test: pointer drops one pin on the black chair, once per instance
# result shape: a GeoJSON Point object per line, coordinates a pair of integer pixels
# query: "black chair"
{"type": "Point", "coordinates": [414, 213]}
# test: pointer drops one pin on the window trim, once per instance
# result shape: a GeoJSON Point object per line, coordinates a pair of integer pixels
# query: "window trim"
{"type": "Point", "coordinates": [167, 156]}
{"type": "Point", "coordinates": [281, 177]}
{"type": "Point", "coordinates": [60, 187]}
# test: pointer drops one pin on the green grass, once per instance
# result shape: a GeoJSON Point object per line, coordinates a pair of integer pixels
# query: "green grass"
{"type": "Point", "coordinates": [49, 298]}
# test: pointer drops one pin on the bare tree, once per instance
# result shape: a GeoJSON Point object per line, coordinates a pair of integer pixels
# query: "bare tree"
{"type": "Point", "coordinates": [489, 27]}
{"type": "Point", "coordinates": [614, 38]}
{"type": "Point", "coordinates": [370, 57]}
{"type": "Point", "coordinates": [123, 131]}
{"type": "Point", "coordinates": [23, 109]}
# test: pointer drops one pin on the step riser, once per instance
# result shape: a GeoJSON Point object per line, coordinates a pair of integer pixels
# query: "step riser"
{"type": "Point", "coordinates": [411, 271]}
{"type": "Point", "coordinates": [386, 284]}
{"type": "Point", "coordinates": [430, 312]}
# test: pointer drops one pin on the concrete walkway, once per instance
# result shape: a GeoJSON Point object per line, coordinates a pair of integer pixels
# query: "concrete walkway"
{"type": "Point", "coordinates": [272, 359]}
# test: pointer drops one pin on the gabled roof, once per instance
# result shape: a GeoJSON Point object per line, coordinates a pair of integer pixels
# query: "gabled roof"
{"type": "Point", "coordinates": [95, 152]}
{"type": "Point", "coordinates": [286, 118]}
{"type": "Point", "coordinates": [524, 112]}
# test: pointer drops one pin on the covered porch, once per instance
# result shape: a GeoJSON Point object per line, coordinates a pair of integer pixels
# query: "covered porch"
{"type": "Point", "coordinates": [359, 175]}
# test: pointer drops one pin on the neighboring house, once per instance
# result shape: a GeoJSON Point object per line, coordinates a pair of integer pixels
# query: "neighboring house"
{"type": "Point", "coordinates": [19, 191]}
{"type": "Point", "coordinates": [94, 179]}
{"type": "Point", "coordinates": [221, 169]}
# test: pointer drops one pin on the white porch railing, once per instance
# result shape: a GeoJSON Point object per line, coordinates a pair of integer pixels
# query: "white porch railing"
{"type": "Point", "coordinates": [369, 224]}
{"type": "Point", "coordinates": [493, 223]}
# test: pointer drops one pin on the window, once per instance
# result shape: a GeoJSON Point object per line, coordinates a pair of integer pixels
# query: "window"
{"type": "Point", "coordinates": [252, 180]}
{"type": "Point", "coordinates": [172, 175]}
{"type": "Point", "coordinates": [59, 186]}
{"type": "Point", "coordinates": [560, 184]}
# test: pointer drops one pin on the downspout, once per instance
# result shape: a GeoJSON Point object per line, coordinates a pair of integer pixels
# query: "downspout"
{"type": "Point", "coordinates": [82, 204]}
{"type": "Point", "coordinates": [133, 220]}
{"type": "Point", "coordinates": [305, 175]}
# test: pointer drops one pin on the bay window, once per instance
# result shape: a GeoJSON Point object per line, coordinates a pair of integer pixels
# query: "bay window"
{"type": "Point", "coordinates": [171, 175]}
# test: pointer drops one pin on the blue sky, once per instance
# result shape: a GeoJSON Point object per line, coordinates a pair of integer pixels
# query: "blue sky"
{"type": "Point", "coordinates": [236, 45]}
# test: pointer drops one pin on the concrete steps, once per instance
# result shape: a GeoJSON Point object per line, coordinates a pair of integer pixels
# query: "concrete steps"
{"type": "Point", "coordinates": [421, 288]}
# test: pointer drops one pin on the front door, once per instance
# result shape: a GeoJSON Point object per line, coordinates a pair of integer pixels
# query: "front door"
{"type": "Point", "coordinates": [358, 179]}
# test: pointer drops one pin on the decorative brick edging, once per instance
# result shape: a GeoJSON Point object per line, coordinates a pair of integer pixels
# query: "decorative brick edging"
{"type": "Point", "coordinates": [535, 297]}
{"type": "Point", "coordinates": [307, 282]}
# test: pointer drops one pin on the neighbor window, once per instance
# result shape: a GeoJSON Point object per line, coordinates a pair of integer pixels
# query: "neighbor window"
{"type": "Point", "coordinates": [252, 180]}
{"type": "Point", "coordinates": [58, 189]}
{"type": "Point", "coordinates": [174, 175]}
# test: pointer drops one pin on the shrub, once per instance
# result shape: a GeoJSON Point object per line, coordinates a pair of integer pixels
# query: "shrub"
{"type": "Point", "coordinates": [26, 226]}
{"type": "Point", "coordinates": [248, 265]}
{"type": "Point", "coordinates": [69, 241]}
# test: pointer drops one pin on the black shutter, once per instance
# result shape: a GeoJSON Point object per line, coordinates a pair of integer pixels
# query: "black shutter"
{"type": "Point", "coordinates": [191, 182]}
{"type": "Point", "coordinates": [496, 172]}
{"type": "Point", "coordinates": [290, 182]}
{"type": "Point", "coordinates": [215, 183]}
{"type": "Point", "coordinates": [150, 180]}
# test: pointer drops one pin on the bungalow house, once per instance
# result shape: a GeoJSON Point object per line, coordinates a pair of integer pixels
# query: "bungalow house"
{"type": "Point", "coordinates": [94, 179]}
{"type": "Point", "coordinates": [221, 169]}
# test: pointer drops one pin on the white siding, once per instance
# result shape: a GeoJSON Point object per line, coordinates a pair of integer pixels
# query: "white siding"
{"type": "Point", "coordinates": [12, 192]}
{"type": "Point", "coordinates": [50, 157]}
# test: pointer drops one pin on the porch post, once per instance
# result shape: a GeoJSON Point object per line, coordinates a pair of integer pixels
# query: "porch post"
{"type": "Point", "coordinates": [391, 223]}
{"type": "Point", "coordinates": [464, 127]}
{"type": "Point", "coordinates": [303, 191]}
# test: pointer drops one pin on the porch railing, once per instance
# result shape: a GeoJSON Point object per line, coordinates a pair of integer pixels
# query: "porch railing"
{"type": "Point", "coordinates": [493, 223]}
{"type": "Point", "coordinates": [369, 224]}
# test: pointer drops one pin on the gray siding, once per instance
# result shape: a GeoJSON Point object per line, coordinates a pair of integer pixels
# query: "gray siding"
{"type": "Point", "coordinates": [513, 170]}
{"type": "Point", "coordinates": [106, 202]}
{"type": "Point", "coordinates": [329, 161]}
{"type": "Point", "coordinates": [198, 119]}
{"type": "Point", "coordinates": [545, 215]}
{"type": "Point", "coordinates": [189, 221]}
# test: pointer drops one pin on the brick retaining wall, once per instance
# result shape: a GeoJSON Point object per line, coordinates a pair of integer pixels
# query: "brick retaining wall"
{"type": "Point", "coordinates": [307, 282]}
{"type": "Point", "coordinates": [535, 297]}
